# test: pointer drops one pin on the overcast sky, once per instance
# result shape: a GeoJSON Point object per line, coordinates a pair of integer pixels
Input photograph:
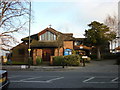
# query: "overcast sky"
{"type": "Point", "coordinates": [70, 16]}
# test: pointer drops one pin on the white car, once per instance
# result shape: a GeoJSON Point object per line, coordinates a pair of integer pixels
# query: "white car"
{"type": "Point", "coordinates": [4, 82]}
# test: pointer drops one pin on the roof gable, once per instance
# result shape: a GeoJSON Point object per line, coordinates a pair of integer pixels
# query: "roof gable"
{"type": "Point", "coordinates": [64, 36]}
{"type": "Point", "coordinates": [50, 30]}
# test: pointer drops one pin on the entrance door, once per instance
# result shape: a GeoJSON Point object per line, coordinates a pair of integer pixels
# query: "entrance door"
{"type": "Point", "coordinates": [46, 53]}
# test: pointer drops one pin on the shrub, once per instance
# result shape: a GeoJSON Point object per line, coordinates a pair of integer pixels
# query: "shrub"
{"type": "Point", "coordinates": [30, 61]}
{"type": "Point", "coordinates": [109, 56]}
{"type": "Point", "coordinates": [93, 56]}
{"type": "Point", "coordinates": [18, 63]}
{"type": "Point", "coordinates": [72, 60]}
{"type": "Point", "coordinates": [58, 60]}
{"type": "Point", "coordinates": [38, 60]}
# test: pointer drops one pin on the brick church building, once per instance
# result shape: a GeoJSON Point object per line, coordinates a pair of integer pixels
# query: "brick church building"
{"type": "Point", "coordinates": [48, 43]}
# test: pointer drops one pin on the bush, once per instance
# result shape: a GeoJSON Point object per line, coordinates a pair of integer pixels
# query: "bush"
{"type": "Point", "coordinates": [38, 60]}
{"type": "Point", "coordinates": [18, 63]}
{"type": "Point", "coordinates": [72, 60]}
{"type": "Point", "coordinates": [93, 56]}
{"type": "Point", "coordinates": [109, 56]}
{"type": "Point", "coordinates": [58, 60]}
{"type": "Point", "coordinates": [30, 61]}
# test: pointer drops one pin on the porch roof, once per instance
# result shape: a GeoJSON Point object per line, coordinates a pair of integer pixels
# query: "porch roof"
{"type": "Point", "coordinates": [43, 44]}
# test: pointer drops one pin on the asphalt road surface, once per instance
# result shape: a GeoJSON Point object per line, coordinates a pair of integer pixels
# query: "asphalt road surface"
{"type": "Point", "coordinates": [97, 74]}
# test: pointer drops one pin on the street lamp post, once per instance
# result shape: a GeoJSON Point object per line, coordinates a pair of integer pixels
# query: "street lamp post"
{"type": "Point", "coordinates": [29, 34]}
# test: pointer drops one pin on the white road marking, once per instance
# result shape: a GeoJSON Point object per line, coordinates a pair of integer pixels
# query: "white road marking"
{"type": "Point", "coordinates": [54, 79]}
{"type": "Point", "coordinates": [47, 81]}
{"type": "Point", "coordinates": [29, 78]}
{"type": "Point", "coordinates": [89, 79]}
{"type": "Point", "coordinates": [101, 82]}
{"type": "Point", "coordinates": [114, 79]}
{"type": "Point", "coordinates": [30, 81]}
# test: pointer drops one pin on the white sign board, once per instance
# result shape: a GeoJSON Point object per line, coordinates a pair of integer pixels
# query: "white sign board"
{"type": "Point", "coordinates": [84, 56]}
{"type": "Point", "coordinates": [23, 66]}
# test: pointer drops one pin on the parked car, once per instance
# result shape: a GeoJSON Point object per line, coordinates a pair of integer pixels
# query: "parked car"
{"type": "Point", "coordinates": [4, 82]}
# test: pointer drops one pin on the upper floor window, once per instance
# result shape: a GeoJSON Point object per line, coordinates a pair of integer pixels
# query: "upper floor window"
{"type": "Point", "coordinates": [47, 36]}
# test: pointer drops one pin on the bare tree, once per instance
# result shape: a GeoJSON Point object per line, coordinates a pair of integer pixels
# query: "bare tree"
{"type": "Point", "coordinates": [112, 23]}
{"type": "Point", "coordinates": [13, 20]}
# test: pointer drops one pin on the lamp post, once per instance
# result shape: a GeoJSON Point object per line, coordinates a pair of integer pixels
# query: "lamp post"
{"type": "Point", "coordinates": [29, 34]}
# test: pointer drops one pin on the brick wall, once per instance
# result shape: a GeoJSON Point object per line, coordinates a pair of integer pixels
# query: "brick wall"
{"type": "Point", "coordinates": [60, 52]}
{"type": "Point", "coordinates": [34, 56]}
{"type": "Point", "coordinates": [68, 44]}
{"type": "Point", "coordinates": [36, 52]}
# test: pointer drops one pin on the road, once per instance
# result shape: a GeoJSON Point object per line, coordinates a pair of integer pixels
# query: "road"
{"type": "Point", "coordinates": [97, 74]}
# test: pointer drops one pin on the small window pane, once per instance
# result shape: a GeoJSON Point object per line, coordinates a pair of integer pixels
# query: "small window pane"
{"type": "Point", "coordinates": [54, 37]}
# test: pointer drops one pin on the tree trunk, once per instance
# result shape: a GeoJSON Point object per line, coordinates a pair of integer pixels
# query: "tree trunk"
{"type": "Point", "coordinates": [98, 53]}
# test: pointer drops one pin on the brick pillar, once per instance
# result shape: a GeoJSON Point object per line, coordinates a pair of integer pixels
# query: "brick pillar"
{"type": "Point", "coordinates": [34, 56]}
{"type": "Point", "coordinates": [51, 60]}
{"type": "Point", "coordinates": [56, 52]}
{"type": "Point", "coordinates": [61, 52]}
{"type": "Point", "coordinates": [39, 52]}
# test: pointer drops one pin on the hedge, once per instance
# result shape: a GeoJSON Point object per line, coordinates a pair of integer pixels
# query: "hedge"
{"type": "Point", "coordinates": [109, 56]}
{"type": "Point", "coordinates": [69, 60]}
{"type": "Point", "coordinates": [58, 60]}
{"type": "Point", "coordinates": [72, 60]}
{"type": "Point", "coordinates": [38, 60]}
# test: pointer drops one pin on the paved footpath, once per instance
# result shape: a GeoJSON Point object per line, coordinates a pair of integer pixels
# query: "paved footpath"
{"type": "Point", "coordinates": [100, 64]}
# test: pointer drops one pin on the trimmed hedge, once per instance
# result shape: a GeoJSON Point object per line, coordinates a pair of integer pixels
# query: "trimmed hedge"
{"type": "Point", "coordinates": [58, 60]}
{"type": "Point", "coordinates": [17, 63]}
{"type": "Point", "coordinates": [72, 60]}
{"type": "Point", "coordinates": [69, 60]}
{"type": "Point", "coordinates": [38, 60]}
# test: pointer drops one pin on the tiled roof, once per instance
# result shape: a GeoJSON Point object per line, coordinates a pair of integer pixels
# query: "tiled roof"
{"type": "Point", "coordinates": [65, 36]}
{"type": "Point", "coordinates": [42, 44]}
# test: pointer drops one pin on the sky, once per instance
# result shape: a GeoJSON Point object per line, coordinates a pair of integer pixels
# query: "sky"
{"type": "Point", "coordinates": [70, 16]}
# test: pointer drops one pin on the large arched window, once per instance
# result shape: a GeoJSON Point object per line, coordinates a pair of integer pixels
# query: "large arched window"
{"type": "Point", "coordinates": [47, 36]}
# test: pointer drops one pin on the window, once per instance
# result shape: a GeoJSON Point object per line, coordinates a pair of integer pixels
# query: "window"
{"type": "Point", "coordinates": [47, 36]}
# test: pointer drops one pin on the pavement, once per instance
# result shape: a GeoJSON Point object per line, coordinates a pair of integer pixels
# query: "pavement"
{"type": "Point", "coordinates": [56, 68]}
{"type": "Point", "coordinates": [96, 74]}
